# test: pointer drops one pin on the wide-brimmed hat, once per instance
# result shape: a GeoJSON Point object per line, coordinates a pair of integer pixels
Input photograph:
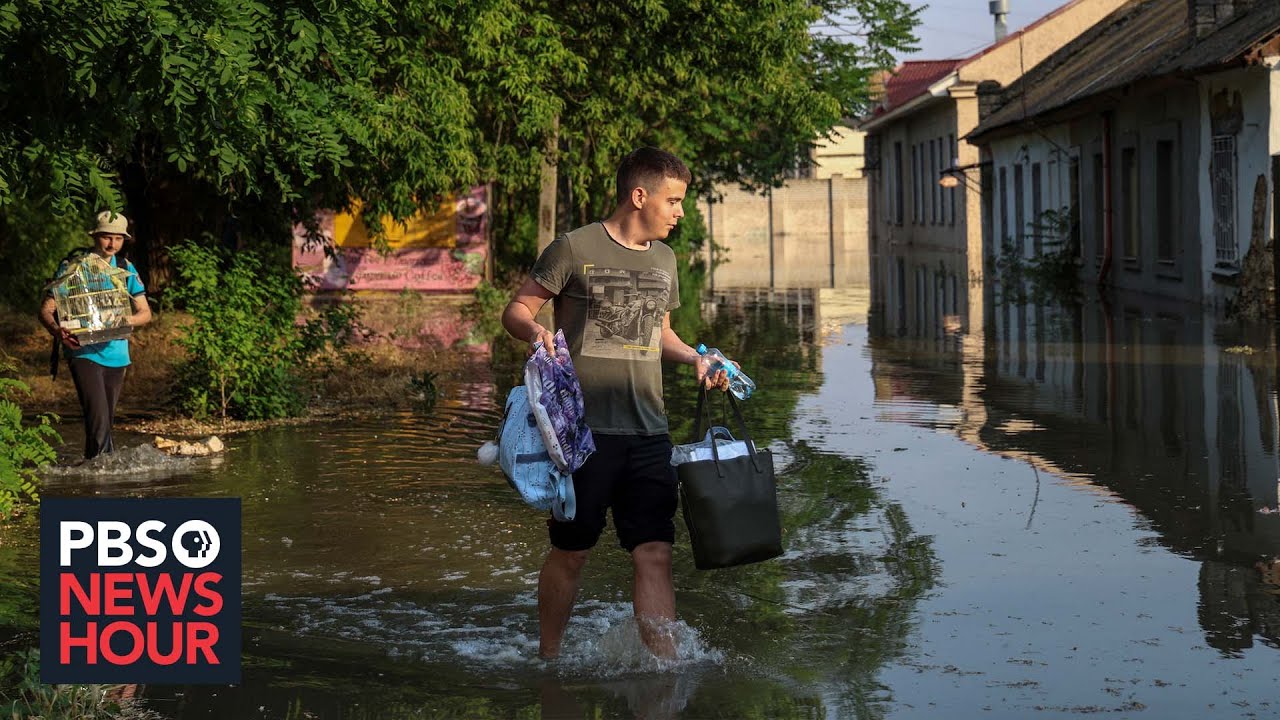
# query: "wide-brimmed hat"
{"type": "Point", "coordinates": [112, 223]}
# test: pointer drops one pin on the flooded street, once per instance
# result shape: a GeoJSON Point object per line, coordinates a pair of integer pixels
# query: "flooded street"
{"type": "Point", "coordinates": [1074, 513]}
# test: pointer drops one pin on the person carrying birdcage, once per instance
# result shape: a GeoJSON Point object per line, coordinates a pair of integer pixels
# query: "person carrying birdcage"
{"type": "Point", "coordinates": [90, 309]}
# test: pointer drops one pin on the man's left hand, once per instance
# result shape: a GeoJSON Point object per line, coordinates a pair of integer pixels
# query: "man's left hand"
{"type": "Point", "coordinates": [711, 380]}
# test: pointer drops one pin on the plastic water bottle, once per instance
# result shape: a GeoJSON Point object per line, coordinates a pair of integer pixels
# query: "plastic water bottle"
{"type": "Point", "coordinates": [739, 384]}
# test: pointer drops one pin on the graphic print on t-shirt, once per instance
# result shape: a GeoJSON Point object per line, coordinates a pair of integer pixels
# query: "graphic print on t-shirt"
{"type": "Point", "coordinates": [624, 318]}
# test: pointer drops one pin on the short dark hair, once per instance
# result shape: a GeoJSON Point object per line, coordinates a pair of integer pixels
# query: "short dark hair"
{"type": "Point", "coordinates": [646, 167]}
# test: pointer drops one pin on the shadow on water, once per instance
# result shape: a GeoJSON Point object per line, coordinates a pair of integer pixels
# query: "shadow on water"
{"type": "Point", "coordinates": [387, 575]}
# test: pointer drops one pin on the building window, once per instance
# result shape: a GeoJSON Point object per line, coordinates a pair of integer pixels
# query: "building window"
{"type": "Point", "coordinates": [1037, 208]}
{"type": "Point", "coordinates": [1073, 209]}
{"type": "Point", "coordinates": [1129, 202]}
{"type": "Point", "coordinates": [1099, 203]}
{"type": "Point", "coordinates": [926, 169]}
{"type": "Point", "coordinates": [1020, 208]}
{"type": "Point", "coordinates": [1166, 220]}
{"type": "Point", "coordinates": [915, 183]}
{"type": "Point", "coordinates": [1004, 209]}
{"type": "Point", "coordinates": [933, 185]}
{"type": "Point", "coordinates": [952, 162]}
{"type": "Point", "coordinates": [1223, 173]}
{"type": "Point", "coordinates": [897, 195]}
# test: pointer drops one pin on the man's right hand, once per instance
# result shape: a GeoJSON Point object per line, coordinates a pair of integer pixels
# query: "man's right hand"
{"type": "Point", "coordinates": [544, 337]}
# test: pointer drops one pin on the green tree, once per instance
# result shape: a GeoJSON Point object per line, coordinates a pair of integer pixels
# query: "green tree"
{"type": "Point", "coordinates": [241, 117]}
{"type": "Point", "coordinates": [739, 89]}
{"type": "Point", "coordinates": [198, 112]}
{"type": "Point", "coordinates": [245, 349]}
{"type": "Point", "coordinates": [24, 447]}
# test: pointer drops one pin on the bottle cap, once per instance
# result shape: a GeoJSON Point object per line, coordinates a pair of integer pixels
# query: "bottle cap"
{"type": "Point", "coordinates": [702, 349]}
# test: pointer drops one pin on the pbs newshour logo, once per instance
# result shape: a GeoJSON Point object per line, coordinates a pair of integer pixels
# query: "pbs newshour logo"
{"type": "Point", "coordinates": [140, 590]}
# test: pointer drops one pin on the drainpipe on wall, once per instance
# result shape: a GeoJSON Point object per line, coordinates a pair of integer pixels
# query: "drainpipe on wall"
{"type": "Point", "coordinates": [1107, 240]}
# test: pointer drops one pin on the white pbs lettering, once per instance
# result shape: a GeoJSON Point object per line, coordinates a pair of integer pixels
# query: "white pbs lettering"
{"type": "Point", "coordinates": [159, 553]}
{"type": "Point", "coordinates": [114, 534]}
{"type": "Point", "coordinates": [68, 541]}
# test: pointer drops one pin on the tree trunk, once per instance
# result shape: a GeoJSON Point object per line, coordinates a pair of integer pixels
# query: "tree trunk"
{"type": "Point", "coordinates": [547, 199]}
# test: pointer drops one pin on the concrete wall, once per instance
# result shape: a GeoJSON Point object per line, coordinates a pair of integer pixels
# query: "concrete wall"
{"type": "Point", "coordinates": [819, 228]}
{"type": "Point", "coordinates": [842, 154]}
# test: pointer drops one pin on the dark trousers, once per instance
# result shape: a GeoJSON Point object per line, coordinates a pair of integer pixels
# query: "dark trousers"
{"type": "Point", "coordinates": [98, 388]}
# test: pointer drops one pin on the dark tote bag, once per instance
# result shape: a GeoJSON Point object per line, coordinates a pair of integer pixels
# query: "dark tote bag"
{"type": "Point", "coordinates": [730, 505]}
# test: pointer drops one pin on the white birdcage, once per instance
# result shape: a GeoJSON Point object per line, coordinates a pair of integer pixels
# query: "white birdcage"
{"type": "Point", "coordinates": [93, 300]}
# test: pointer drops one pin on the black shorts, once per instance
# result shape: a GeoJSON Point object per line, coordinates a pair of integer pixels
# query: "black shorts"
{"type": "Point", "coordinates": [633, 475]}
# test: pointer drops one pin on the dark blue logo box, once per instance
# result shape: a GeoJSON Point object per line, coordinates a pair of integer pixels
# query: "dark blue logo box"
{"type": "Point", "coordinates": [151, 593]}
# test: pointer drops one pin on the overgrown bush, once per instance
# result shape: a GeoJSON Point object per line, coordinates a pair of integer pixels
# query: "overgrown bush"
{"type": "Point", "coordinates": [24, 447]}
{"type": "Point", "coordinates": [486, 311]}
{"type": "Point", "coordinates": [687, 241]}
{"type": "Point", "coordinates": [22, 695]}
{"type": "Point", "coordinates": [32, 242]}
{"type": "Point", "coordinates": [1050, 276]}
{"type": "Point", "coordinates": [245, 346]}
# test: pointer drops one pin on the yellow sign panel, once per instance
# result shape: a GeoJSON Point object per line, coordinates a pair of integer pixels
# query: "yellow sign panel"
{"type": "Point", "coordinates": [436, 230]}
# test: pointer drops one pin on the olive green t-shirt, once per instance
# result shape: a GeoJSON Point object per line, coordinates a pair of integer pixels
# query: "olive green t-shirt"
{"type": "Point", "coordinates": [610, 301]}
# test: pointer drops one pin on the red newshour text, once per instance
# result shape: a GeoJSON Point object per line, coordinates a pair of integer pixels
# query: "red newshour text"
{"type": "Point", "coordinates": [113, 595]}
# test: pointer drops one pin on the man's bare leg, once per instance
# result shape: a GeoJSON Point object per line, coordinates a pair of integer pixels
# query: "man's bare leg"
{"type": "Point", "coordinates": [557, 589]}
{"type": "Point", "coordinates": [654, 597]}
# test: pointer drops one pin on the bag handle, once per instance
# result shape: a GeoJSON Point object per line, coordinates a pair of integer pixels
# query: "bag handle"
{"type": "Point", "coordinates": [744, 436]}
{"type": "Point", "coordinates": [703, 411]}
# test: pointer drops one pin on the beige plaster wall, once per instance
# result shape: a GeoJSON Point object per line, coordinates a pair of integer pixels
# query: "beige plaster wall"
{"type": "Point", "coordinates": [816, 223]}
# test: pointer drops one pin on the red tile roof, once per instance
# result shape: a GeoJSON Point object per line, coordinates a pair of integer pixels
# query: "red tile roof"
{"type": "Point", "coordinates": [912, 78]}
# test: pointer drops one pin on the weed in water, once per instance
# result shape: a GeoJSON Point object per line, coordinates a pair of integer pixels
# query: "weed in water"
{"type": "Point", "coordinates": [423, 388]}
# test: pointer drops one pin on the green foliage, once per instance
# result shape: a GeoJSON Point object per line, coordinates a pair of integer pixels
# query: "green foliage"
{"type": "Point", "coordinates": [687, 241]}
{"type": "Point", "coordinates": [24, 696]}
{"type": "Point", "coordinates": [32, 242]}
{"type": "Point", "coordinates": [287, 102]}
{"type": "Point", "coordinates": [740, 90]}
{"type": "Point", "coordinates": [245, 347]}
{"type": "Point", "coordinates": [244, 116]}
{"type": "Point", "coordinates": [24, 448]}
{"type": "Point", "coordinates": [486, 312]}
{"type": "Point", "coordinates": [1051, 276]}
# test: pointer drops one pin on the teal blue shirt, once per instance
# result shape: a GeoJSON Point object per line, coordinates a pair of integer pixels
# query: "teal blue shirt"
{"type": "Point", "coordinates": [112, 353]}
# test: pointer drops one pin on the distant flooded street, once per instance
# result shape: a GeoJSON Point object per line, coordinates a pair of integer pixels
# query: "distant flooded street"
{"type": "Point", "coordinates": [1074, 512]}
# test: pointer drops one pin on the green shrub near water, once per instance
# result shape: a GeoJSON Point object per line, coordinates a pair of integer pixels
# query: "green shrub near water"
{"type": "Point", "coordinates": [22, 695]}
{"type": "Point", "coordinates": [24, 447]}
{"type": "Point", "coordinates": [245, 347]}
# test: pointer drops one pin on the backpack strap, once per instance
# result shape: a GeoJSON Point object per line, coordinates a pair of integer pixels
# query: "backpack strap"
{"type": "Point", "coordinates": [565, 508]}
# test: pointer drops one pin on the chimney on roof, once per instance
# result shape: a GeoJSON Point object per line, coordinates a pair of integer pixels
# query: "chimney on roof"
{"type": "Point", "coordinates": [1205, 16]}
{"type": "Point", "coordinates": [1000, 10]}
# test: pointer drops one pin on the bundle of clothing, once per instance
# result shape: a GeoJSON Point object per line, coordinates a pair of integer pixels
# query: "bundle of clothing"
{"type": "Point", "coordinates": [543, 438]}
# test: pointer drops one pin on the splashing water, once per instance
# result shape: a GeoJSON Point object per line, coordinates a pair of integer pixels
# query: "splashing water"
{"type": "Point", "coordinates": [605, 641]}
{"type": "Point", "coordinates": [140, 459]}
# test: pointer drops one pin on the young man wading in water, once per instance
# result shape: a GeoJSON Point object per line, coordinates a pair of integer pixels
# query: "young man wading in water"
{"type": "Point", "coordinates": [595, 275]}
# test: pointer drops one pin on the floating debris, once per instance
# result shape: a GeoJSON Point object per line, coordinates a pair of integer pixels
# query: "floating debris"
{"type": "Point", "coordinates": [199, 448]}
